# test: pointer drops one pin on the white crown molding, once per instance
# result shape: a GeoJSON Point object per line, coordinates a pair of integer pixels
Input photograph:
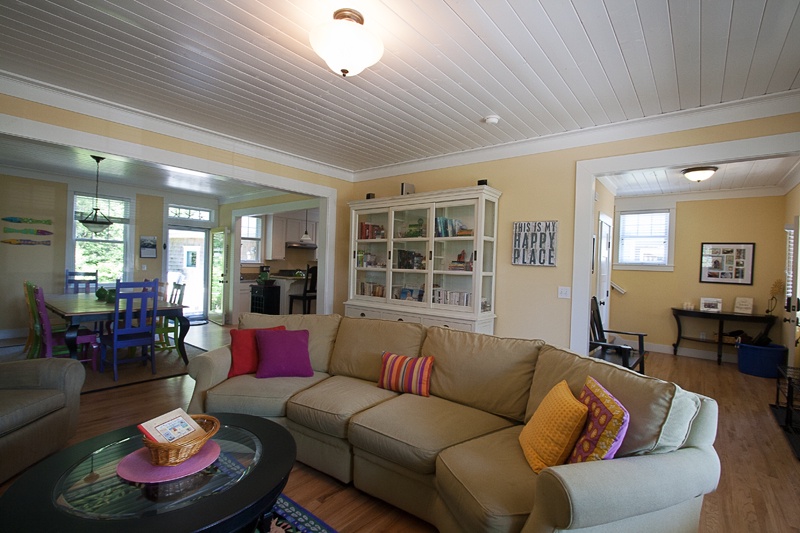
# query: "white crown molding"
{"type": "Point", "coordinates": [752, 108]}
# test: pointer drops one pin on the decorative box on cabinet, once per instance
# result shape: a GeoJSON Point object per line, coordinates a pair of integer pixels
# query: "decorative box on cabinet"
{"type": "Point", "coordinates": [427, 257]}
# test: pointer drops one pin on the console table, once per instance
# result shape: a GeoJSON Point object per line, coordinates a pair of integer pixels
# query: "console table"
{"type": "Point", "coordinates": [720, 318]}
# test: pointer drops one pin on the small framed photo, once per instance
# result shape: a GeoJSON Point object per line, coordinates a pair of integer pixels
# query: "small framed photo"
{"type": "Point", "coordinates": [724, 262]}
{"type": "Point", "coordinates": [711, 305]}
{"type": "Point", "coordinates": [148, 246]}
{"type": "Point", "coordinates": [743, 305]}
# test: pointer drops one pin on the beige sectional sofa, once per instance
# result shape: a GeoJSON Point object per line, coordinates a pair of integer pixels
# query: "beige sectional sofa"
{"type": "Point", "coordinates": [454, 458]}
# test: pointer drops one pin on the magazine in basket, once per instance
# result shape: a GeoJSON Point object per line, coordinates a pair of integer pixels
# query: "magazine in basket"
{"type": "Point", "coordinates": [171, 428]}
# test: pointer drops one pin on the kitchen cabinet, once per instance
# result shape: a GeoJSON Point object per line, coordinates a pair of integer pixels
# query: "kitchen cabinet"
{"type": "Point", "coordinates": [276, 237]}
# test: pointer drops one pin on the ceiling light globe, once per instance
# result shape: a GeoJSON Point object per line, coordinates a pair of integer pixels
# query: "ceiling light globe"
{"type": "Point", "coordinates": [699, 174]}
{"type": "Point", "coordinates": [346, 46]}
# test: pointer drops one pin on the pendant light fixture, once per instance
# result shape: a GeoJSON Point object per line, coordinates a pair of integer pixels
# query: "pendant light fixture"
{"type": "Point", "coordinates": [345, 44]}
{"type": "Point", "coordinates": [96, 222]}
{"type": "Point", "coordinates": [306, 237]}
{"type": "Point", "coordinates": [698, 174]}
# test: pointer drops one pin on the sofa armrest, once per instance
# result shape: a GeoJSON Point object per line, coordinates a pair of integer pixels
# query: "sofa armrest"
{"type": "Point", "coordinates": [208, 370]}
{"type": "Point", "coordinates": [584, 495]}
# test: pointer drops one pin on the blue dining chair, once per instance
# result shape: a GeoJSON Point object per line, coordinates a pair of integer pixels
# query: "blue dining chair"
{"type": "Point", "coordinates": [134, 324]}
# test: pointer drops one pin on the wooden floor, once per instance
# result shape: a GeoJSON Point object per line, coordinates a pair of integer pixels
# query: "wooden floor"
{"type": "Point", "coordinates": [759, 490]}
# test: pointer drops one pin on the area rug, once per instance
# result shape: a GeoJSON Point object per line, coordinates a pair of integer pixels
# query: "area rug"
{"type": "Point", "coordinates": [293, 518]}
{"type": "Point", "coordinates": [792, 433]}
{"type": "Point", "coordinates": [168, 364]}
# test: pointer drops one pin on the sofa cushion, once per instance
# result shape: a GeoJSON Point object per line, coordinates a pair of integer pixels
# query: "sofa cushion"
{"type": "Point", "coordinates": [283, 354]}
{"type": "Point", "coordinates": [361, 341]}
{"type": "Point", "coordinates": [606, 424]}
{"type": "Point", "coordinates": [550, 436]}
{"type": "Point", "coordinates": [328, 406]}
{"type": "Point", "coordinates": [260, 397]}
{"type": "Point", "coordinates": [401, 373]}
{"type": "Point", "coordinates": [412, 430]}
{"type": "Point", "coordinates": [244, 352]}
{"type": "Point", "coordinates": [322, 331]}
{"type": "Point", "coordinates": [489, 373]}
{"type": "Point", "coordinates": [661, 413]}
{"type": "Point", "coordinates": [495, 495]}
{"type": "Point", "coordinates": [20, 407]}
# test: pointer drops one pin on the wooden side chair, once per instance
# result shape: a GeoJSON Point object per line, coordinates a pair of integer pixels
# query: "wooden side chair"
{"type": "Point", "coordinates": [135, 310]}
{"type": "Point", "coordinates": [53, 343]}
{"type": "Point", "coordinates": [78, 282]}
{"type": "Point", "coordinates": [309, 292]}
{"type": "Point", "coordinates": [166, 326]}
{"type": "Point", "coordinates": [610, 347]}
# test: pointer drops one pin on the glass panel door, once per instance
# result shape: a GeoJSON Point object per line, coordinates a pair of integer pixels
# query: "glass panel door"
{"type": "Point", "coordinates": [370, 255]}
{"type": "Point", "coordinates": [218, 275]}
{"type": "Point", "coordinates": [454, 255]}
{"type": "Point", "coordinates": [410, 254]}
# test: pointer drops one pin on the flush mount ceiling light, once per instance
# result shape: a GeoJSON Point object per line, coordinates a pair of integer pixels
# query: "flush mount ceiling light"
{"type": "Point", "coordinates": [345, 44]}
{"type": "Point", "coordinates": [698, 174]}
{"type": "Point", "coordinates": [96, 222]}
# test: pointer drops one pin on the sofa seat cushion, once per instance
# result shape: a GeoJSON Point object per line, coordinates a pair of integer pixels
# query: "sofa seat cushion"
{"type": "Point", "coordinates": [661, 413]}
{"type": "Point", "coordinates": [486, 482]}
{"type": "Point", "coordinates": [250, 395]}
{"type": "Point", "coordinates": [20, 407]}
{"type": "Point", "coordinates": [328, 406]}
{"type": "Point", "coordinates": [412, 430]}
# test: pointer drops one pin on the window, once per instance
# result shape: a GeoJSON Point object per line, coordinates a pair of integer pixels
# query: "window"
{"type": "Point", "coordinates": [645, 238]}
{"type": "Point", "coordinates": [251, 239]}
{"type": "Point", "coordinates": [105, 251]}
{"type": "Point", "coordinates": [189, 213]}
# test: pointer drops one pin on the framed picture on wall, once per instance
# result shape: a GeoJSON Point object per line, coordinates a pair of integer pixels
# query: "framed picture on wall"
{"type": "Point", "coordinates": [147, 246]}
{"type": "Point", "coordinates": [722, 262]}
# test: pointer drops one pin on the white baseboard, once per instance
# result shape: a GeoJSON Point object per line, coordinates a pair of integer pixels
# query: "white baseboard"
{"type": "Point", "coordinates": [727, 355]}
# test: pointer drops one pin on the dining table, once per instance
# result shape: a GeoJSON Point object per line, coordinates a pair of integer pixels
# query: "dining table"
{"type": "Point", "coordinates": [78, 309]}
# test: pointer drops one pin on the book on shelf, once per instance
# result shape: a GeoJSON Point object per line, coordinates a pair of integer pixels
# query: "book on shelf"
{"type": "Point", "coordinates": [171, 428]}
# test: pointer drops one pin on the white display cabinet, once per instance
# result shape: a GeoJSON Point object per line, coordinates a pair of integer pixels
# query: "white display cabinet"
{"type": "Point", "coordinates": [427, 257]}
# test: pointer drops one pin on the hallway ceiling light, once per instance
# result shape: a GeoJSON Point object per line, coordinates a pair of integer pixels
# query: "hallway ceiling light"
{"type": "Point", "coordinates": [345, 44]}
{"type": "Point", "coordinates": [698, 174]}
{"type": "Point", "coordinates": [96, 222]}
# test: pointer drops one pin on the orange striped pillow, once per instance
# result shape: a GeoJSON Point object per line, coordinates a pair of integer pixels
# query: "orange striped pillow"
{"type": "Point", "coordinates": [401, 373]}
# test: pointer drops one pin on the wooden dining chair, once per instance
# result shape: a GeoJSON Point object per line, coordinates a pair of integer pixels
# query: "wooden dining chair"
{"type": "Point", "coordinates": [80, 282]}
{"type": "Point", "coordinates": [134, 324]}
{"type": "Point", "coordinates": [309, 292]}
{"type": "Point", "coordinates": [166, 326]}
{"type": "Point", "coordinates": [54, 344]}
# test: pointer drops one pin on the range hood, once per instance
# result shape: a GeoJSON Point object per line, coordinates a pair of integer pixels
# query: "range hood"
{"type": "Point", "coordinates": [300, 244]}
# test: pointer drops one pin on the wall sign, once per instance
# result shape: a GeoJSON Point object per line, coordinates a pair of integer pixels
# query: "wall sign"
{"type": "Point", "coordinates": [535, 243]}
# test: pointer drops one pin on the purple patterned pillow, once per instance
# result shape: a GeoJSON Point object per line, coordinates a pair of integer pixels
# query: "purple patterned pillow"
{"type": "Point", "coordinates": [606, 424]}
{"type": "Point", "coordinates": [283, 353]}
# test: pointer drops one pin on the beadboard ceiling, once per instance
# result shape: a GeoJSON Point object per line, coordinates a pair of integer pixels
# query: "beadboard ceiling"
{"type": "Point", "coordinates": [244, 69]}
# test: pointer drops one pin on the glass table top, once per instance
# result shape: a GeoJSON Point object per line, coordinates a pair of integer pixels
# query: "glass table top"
{"type": "Point", "coordinates": [92, 488]}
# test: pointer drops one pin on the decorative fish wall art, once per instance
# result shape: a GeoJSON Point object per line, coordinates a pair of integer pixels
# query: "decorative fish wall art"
{"type": "Point", "coordinates": [25, 242]}
{"type": "Point", "coordinates": [24, 220]}
{"type": "Point", "coordinates": [29, 231]}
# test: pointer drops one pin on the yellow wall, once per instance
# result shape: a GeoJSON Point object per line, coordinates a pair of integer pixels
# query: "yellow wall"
{"type": "Point", "coordinates": [149, 221]}
{"type": "Point", "coordinates": [41, 264]}
{"type": "Point", "coordinates": [649, 295]}
{"type": "Point", "coordinates": [535, 187]}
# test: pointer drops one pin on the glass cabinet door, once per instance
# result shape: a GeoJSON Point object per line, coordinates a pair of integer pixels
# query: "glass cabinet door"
{"type": "Point", "coordinates": [370, 255]}
{"type": "Point", "coordinates": [486, 286]}
{"type": "Point", "coordinates": [410, 253]}
{"type": "Point", "coordinates": [454, 255]}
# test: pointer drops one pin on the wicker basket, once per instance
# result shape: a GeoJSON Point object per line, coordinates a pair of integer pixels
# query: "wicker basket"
{"type": "Point", "coordinates": [164, 454]}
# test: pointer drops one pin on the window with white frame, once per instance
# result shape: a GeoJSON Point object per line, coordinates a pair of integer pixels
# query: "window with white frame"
{"type": "Point", "coordinates": [189, 213]}
{"type": "Point", "coordinates": [645, 238]}
{"type": "Point", "coordinates": [104, 251]}
{"type": "Point", "coordinates": [251, 239]}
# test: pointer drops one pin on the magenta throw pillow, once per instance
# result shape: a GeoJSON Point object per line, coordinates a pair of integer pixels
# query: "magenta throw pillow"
{"type": "Point", "coordinates": [606, 424]}
{"type": "Point", "coordinates": [283, 354]}
{"type": "Point", "coordinates": [244, 353]}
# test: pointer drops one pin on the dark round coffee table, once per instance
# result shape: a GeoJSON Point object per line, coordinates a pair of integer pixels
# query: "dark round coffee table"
{"type": "Point", "coordinates": [77, 489]}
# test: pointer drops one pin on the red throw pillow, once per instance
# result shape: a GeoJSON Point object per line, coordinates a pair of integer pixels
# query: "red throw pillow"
{"type": "Point", "coordinates": [244, 352]}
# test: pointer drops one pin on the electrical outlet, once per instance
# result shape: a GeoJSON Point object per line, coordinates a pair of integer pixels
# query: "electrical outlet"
{"type": "Point", "coordinates": [144, 267]}
{"type": "Point", "coordinates": [564, 292]}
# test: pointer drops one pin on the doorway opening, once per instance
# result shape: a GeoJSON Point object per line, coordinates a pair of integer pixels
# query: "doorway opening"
{"type": "Point", "coordinates": [186, 263]}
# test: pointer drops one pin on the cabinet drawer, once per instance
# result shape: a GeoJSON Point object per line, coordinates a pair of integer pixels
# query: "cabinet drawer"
{"type": "Point", "coordinates": [445, 323]}
{"type": "Point", "coordinates": [400, 317]}
{"type": "Point", "coordinates": [361, 312]}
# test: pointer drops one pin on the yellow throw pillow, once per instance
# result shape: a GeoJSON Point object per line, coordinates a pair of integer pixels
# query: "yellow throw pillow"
{"type": "Point", "coordinates": [550, 435]}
